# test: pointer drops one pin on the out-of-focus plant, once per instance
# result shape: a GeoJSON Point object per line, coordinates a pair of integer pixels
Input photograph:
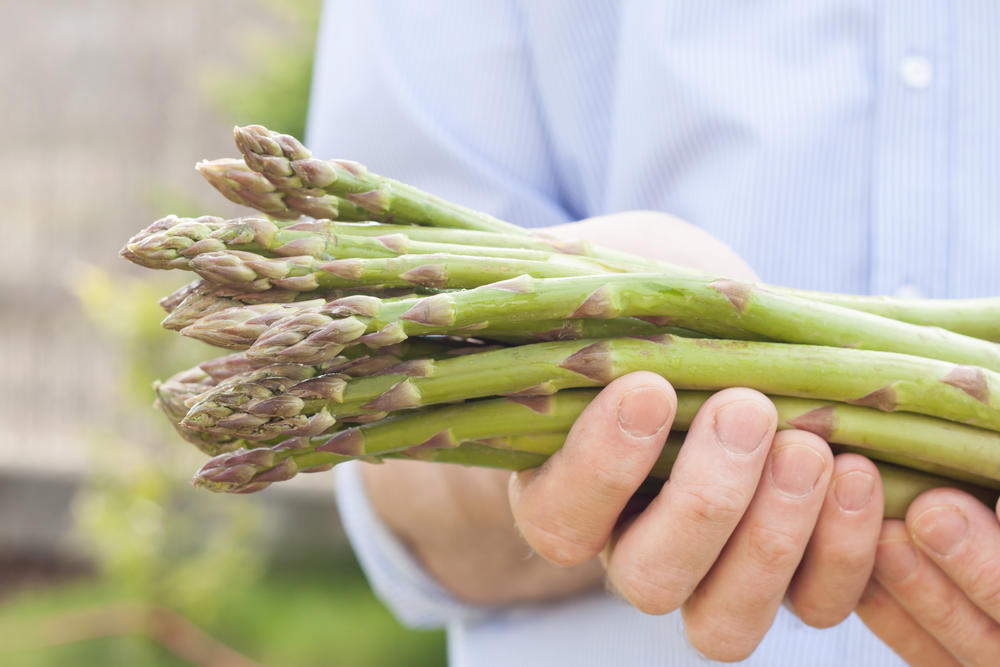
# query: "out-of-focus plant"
{"type": "Point", "coordinates": [273, 88]}
{"type": "Point", "coordinates": [136, 513]}
{"type": "Point", "coordinates": [131, 512]}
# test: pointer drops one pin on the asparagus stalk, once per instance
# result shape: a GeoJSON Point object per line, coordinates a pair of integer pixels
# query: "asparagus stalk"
{"type": "Point", "coordinates": [460, 435]}
{"type": "Point", "coordinates": [171, 243]}
{"type": "Point", "coordinates": [202, 298]}
{"type": "Point", "coordinates": [972, 454]}
{"type": "Point", "coordinates": [880, 380]}
{"type": "Point", "coordinates": [720, 308]}
{"type": "Point", "coordinates": [242, 185]}
{"type": "Point", "coordinates": [978, 318]}
{"type": "Point", "coordinates": [290, 166]}
{"type": "Point", "coordinates": [305, 332]}
{"type": "Point", "coordinates": [440, 270]}
{"type": "Point", "coordinates": [700, 305]}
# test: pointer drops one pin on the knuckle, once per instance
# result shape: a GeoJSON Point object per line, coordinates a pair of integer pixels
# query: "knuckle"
{"type": "Point", "coordinates": [718, 640]}
{"type": "Point", "coordinates": [819, 613]}
{"type": "Point", "coordinates": [942, 615]}
{"type": "Point", "coordinates": [647, 592]}
{"type": "Point", "coordinates": [712, 504]}
{"type": "Point", "coordinates": [557, 543]}
{"type": "Point", "coordinates": [615, 482]}
{"type": "Point", "coordinates": [774, 550]}
{"type": "Point", "coordinates": [984, 585]}
{"type": "Point", "coordinates": [848, 560]}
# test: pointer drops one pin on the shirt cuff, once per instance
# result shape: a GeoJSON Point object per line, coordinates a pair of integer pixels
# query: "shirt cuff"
{"type": "Point", "coordinates": [397, 578]}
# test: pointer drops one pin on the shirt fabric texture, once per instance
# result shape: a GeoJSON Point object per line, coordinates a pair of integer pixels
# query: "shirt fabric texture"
{"type": "Point", "coordinates": [849, 146]}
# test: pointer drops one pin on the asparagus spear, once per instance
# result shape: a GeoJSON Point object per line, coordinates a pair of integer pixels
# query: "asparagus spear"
{"type": "Point", "coordinates": [242, 185]}
{"type": "Point", "coordinates": [171, 243]}
{"type": "Point", "coordinates": [202, 297]}
{"type": "Point", "coordinates": [972, 454]}
{"type": "Point", "coordinates": [439, 270]}
{"type": "Point", "coordinates": [290, 166]}
{"type": "Point", "coordinates": [306, 332]}
{"type": "Point", "coordinates": [720, 308]}
{"type": "Point", "coordinates": [466, 434]}
{"type": "Point", "coordinates": [881, 380]}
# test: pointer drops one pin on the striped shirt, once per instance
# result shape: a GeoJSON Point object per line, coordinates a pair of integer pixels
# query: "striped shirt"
{"type": "Point", "coordinates": [845, 145]}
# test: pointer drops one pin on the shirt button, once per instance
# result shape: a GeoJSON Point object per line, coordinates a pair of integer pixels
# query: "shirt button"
{"type": "Point", "coordinates": [909, 292]}
{"type": "Point", "coordinates": [916, 71]}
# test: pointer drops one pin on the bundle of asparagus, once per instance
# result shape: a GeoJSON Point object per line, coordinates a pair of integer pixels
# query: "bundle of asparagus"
{"type": "Point", "coordinates": [376, 321]}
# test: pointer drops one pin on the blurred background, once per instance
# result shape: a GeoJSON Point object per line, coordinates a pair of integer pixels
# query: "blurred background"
{"type": "Point", "coordinates": [107, 555]}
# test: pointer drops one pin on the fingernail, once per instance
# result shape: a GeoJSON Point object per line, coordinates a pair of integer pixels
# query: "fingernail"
{"type": "Point", "coordinates": [643, 412]}
{"type": "Point", "coordinates": [741, 426]}
{"type": "Point", "coordinates": [853, 490]}
{"type": "Point", "coordinates": [795, 469]}
{"type": "Point", "coordinates": [941, 529]}
{"type": "Point", "coordinates": [895, 560]}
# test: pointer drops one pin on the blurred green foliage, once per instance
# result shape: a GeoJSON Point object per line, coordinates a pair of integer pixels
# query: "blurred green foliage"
{"type": "Point", "coordinates": [273, 88]}
{"type": "Point", "coordinates": [317, 613]}
{"type": "Point", "coordinates": [130, 513]}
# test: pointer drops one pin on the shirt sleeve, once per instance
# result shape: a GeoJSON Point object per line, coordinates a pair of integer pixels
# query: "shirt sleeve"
{"type": "Point", "coordinates": [397, 578]}
{"type": "Point", "coordinates": [458, 118]}
{"type": "Point", "coordinates": [439, 94]}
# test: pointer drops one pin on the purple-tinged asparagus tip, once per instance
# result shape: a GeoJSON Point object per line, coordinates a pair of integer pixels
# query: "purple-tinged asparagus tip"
{"type": "Point", "coordinates": [433, 311]}
{"type": "Point", "coordinates": [388, 335]}
{"type": "Point", "coordinates": [348, 269]}
{"type": "Point", "coordinates": [356, 304]}
{"type": "Point", "coordinates": [285, 470]}
{"type": "Point", "coordinates": [277, 406]}
{"type": "Point", "coordinates": [346, 443]}
{"type": "Point", "coordinates": [404, 394]}
{"type": "Point", "coordinates": [520, 284]}
{"type": "Point", "coordinates": [315, 173]}
{"type": "Point", "coordinates": [424, 451]}
{"type": "Point", "coordinates": [593, 361]}
{"type": "Point", "coordinates": [223, 267]}
{"type": "Point", "coordinates": [821, 421]}
{"type": "Point", "coordinates": [884, 398]}
{"type": "Point", "coordinates": [543, 405]}
{"type": "Point", "coordinates": [324, 387]}
{"type": "Point", "coordinates": [427, 275]}
{"type": "Point", "coordinates": [377, 201]}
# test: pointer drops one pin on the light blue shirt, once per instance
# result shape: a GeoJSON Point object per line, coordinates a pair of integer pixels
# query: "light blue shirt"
{"type": "Point", "coordinates": [848, 145]}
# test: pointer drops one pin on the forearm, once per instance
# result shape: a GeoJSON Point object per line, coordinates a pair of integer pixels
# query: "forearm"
{"type": "Point", "coordinates": [457, 522]}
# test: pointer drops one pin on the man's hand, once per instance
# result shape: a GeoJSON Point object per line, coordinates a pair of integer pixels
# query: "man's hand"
{"type": "Point", "coordinates": [747, 517]}
{"type": "Point", "coordinates": [935, 598]}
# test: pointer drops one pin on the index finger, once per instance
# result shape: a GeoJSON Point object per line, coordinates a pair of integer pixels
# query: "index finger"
{"type": "Point", "coordinates": [567, 508]}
